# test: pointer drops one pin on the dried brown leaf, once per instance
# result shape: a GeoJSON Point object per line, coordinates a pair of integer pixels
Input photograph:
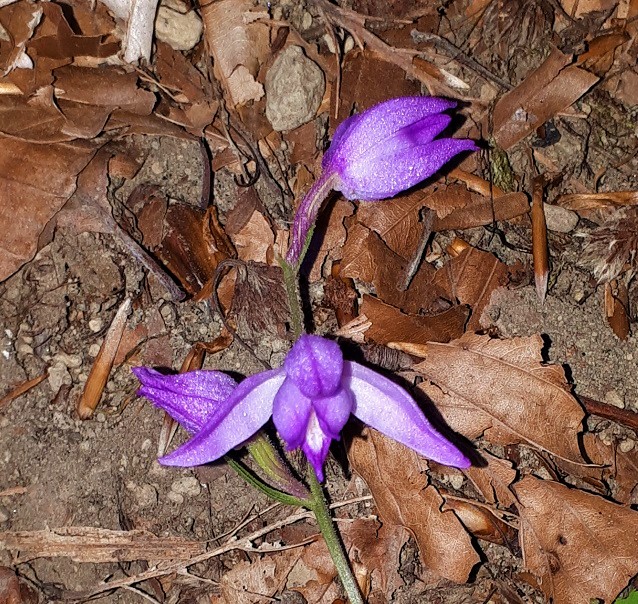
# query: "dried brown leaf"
{"type": "Point", "coordinates": [472, 277]}
{"type": "Point", "coordinates": [395, 477]}
{"type": "Point", "coordinates": [493, 481]}
{"type": "Point", "coordinates": [238, 47]}
{"type": "Point", "coordinates": [579, 545]}
{"type": "Point", "coordinates": [14, 591]}
{"type": "Point", "coordinates": [35, 182]}
{"type": "Point", "coordinates": [389, 324]}
{"type": "Point", "coordinates": [89, 544]}
{"type": "Point", "coordinates": [591, 201]}
{"type": "Point", "coordinates": [329, 237]}
{"type": "Point", "coordinates": [481, 522]}
{"type": "Point", "coordinates": [615, 472]}
{"type": "Point", "coordinates": [398, 224]}
{"type": "Point", "coordinates": [548, 90]}
{"type": "Point", "coordinates": [502, 389]}
{"type": "Point", "coordinates": [367, 80]}
{"type": "Point", "coordinates": [255, 240]}
{"type": "Point", "coordinates": [482, 211]}
{"type": "Point", "coordinates": [378, 547]}
{"type": "Point", "coordinates": [368, 258]}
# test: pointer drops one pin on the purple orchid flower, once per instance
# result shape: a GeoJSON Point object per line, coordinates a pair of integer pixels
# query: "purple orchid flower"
{"type": "Point", "coordinates": [310, 399]}
{"type": "Point", "coordinates": [379, 153]}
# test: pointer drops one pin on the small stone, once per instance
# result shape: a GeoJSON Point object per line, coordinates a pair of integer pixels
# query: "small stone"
{"type": "Point", "coordinates": [58, 375]}
{"type": "Point", "coordinates": [306, 21]}
{"type": "Point", "coordinates": [25, 349]}
{"type": "Point", "coordinates": [175, 497]}
{"type": "Point", "coordinates": [4, 514]}
{"type": "Point", "coordinates": [96, 324]}
{"type": "Point", "coordinates": [72, 361]}
{"type": "Point", "coordinates": [578, 295]}
{"type": "Point", "coordinates": [294, 89]}
{"type": "Point", "coordinates": [146, 445]}
{"type": "Point", "coordinates": [560, 220]}
{"type": "Point", "coordinates": [456, 480]}
{"type": "Point", "coordinates": [145, 495]}
{"type": "Point", "coordinates": [181, 31]}
{"type": "Point", "coordinates": [626, 445]}
{"type": "Point", "coordinates": [188, 485]}
{"type": "Point", "coordinates": [613, 398]}
{"type": "Point", "coordinates": [94, 350]}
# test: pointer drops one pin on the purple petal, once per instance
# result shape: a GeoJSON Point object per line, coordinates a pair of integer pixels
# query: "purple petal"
{"type": "Point", "coordinates": [316, 446]}
{"type": "Point", "coordinates": [341, 133]}
{"type": "Point", "coordinates": [393, 173]}
{"type": "Point", "coordinates": [380, 122]}
{"type": "Point", "coordinates": [388, 408]}
{"type": "Point", "coordinates": [191, 398]}
{"type": "Point", "coordinates": [315, 365]}
{"type": "Point", "coordinates": [333, 412]}
{"type": "Point", "coordinates": [412, 135]}
{"type": "Point", "coordinates": [290, 414]}
{"type": "Point", "coordinates": [246, 410]}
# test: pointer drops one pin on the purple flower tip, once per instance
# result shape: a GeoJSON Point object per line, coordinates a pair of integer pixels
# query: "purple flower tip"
{"type": "Point", "coordinates": [310, 399]}
{"type": "Point", "coordinates": [391, 147]}
{"type": "Point", "coordinates": [380, 152]}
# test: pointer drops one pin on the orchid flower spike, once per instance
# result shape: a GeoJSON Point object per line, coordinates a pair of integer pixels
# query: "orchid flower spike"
{"type": "Point", "coordinates": [379, 153]}
{"type": "Point", "coordinates": [310, 399]}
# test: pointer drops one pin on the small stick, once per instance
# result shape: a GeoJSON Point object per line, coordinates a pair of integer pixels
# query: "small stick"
{"type": "Point", "coordinates": [410, 271]}
{"type": "Point", "coordinates": [540, 249]}
{"type": "Point", "coordinates": [622, 416]}
{"type": "Point", "coordinates": [103, 363]}
{"type": "Point", "coordinates": [20, 389]}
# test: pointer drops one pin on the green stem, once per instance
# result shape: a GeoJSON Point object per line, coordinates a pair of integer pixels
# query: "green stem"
{"type": "Point", "coordinates": [319, 506]}
{"type": "Point", "coordinates": [291, 281]}
{"type": "Point", "coordinates": [258, 483]}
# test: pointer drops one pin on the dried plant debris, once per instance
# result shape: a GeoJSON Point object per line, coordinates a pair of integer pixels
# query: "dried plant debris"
{"type": "Point", "coordinates": [611, 248]}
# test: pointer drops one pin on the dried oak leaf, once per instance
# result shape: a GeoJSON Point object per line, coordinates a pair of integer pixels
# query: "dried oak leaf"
{"type": "Point", "coordinates": [389, 324]}
{"type": "Point", "coordinates": [548, 90]}
{"type": "Point", "coordinates": [493, 481]}
{"type": "Point", "coordinates": [580, 546]}
{"type": "Point", "coordinates": [400, 489]}
{"type": "Point", "coordinates": [399, 225]}
{"type": "Point", "coordinates": [502, 390]}
{"type": "Point", "coordinates": [472, 276]}
{"type": "Point", "coordinates": [367, 258]}
{"type": "Point", "coordinates": [238, 47]}
{"type": "Point", "coordinates": [35, 182]}
{"type": "Point", "coordinates": [615, 473]}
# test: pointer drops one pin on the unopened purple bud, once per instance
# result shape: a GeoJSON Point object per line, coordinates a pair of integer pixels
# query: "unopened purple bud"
{"type": "Point", "coordinates": [379, 153]}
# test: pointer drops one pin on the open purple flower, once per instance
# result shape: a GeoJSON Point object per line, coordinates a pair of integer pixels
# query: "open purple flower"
{"type": "Point", "coordinates": [379, 153]}
{"type": "Point", "coordinates": [310, 399]}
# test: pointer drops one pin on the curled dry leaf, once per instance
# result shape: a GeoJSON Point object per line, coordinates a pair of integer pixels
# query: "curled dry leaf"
{"type": "Point", "coordinates": [35, 182]}
{"type": "Point", "coordinates": [368, 258]}
{"type": "Point", "coordinates": [471, 277]}
{"type": "Point", "coordinates": [548, 90]}
{"type": "Point", "coordinates": [480, 521]}
{"type": "Point", "coordinates": [577, 544]}
{"type": "Point", "coordinates": [389, 324]}
{"type": "Point", "coordinates": [493, 481]}
{"type": "Point", "coordinates": [592, 201]}
{"type": "Point", "coordinates": [400, 489]}
{"type": "Point", "coordinates": [614, 474]}
{"type": "Point", "coordinates": [501, 388]}
{"type": "Point", "coordinates": [398, 223]}
{"type": "Point", "coordinates": [238, 47]}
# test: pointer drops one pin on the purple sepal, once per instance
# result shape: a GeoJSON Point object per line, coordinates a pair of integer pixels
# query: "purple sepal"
{"type": "Point", "coordinates": [388, 408]}
{"type": "Point", "coordinates": [191, 398]}
{"type": "Point", "coordinates": [248, 409]}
